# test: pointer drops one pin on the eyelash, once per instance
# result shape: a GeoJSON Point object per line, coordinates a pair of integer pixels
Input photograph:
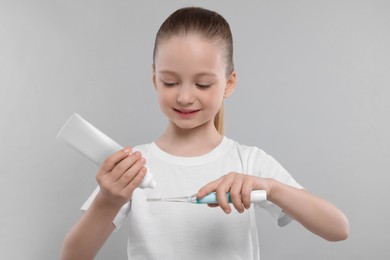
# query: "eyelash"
{"type": "Point", "coordinates": [202, 86]}
{"type": "Point", "coordinates": [169, 84]}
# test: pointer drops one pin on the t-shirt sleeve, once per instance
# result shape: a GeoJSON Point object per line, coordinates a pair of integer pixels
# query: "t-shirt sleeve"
{"type": "Point", "coordinates": [120, 217]}
{"type": "Point", "coordinates": [263, 165]}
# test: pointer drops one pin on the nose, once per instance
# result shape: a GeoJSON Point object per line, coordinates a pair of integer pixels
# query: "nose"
{"type": "Point", "coordinates": [186, 95]}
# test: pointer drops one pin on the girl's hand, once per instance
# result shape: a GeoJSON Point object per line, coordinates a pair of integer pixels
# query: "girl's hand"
{"type": "Point", "coordinates": [240, 187]}
{"type": "Point", "coordinates": [120, 175]}
{"type": "Point", "coordinates": [314, 213]}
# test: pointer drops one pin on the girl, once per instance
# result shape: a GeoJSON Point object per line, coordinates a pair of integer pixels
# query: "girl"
{"type": "Point", "coordinates": [193, 73]}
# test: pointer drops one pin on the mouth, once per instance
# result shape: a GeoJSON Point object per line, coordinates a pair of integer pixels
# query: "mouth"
{"type": "Point", "coordinates": [186, 111]}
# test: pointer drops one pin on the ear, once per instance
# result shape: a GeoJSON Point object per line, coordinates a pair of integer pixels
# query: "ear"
{"type": "Point", "coordinates": [154, 76]}
{"type": "Point", "coordinates": [231, 84]}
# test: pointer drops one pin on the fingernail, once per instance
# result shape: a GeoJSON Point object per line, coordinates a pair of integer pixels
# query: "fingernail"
{"type": "Point", "coordinates": [126, 150]}
{"type": "Point", "coordinates": [227, 211]}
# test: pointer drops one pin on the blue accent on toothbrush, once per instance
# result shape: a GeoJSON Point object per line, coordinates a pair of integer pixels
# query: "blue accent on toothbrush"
{"type": "Point", "coordinates": [212, 199]}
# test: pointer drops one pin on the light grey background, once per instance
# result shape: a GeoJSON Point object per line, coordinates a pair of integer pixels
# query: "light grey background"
{"type": "Point", "coordinates": [313, 91]}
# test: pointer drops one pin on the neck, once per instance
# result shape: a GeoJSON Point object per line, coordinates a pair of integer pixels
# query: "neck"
{"type": "Point", "coordinates": [189, 142]}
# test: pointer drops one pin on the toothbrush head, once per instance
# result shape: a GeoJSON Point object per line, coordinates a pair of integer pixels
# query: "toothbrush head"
{"type": "Point", "coordinates": [153, 199]}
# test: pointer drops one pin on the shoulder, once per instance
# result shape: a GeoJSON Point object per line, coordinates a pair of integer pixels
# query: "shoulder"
{"type": "Point", "coordinates": [143, 148]}
{"type": "Point", "coordinates": [247, 150]}
{"type": "Point", "coordinates": [256, 159]}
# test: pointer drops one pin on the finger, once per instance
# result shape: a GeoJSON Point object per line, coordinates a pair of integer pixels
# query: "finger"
{"type": "Point", "coordinates": [208, 188]}
{"type": "Point", "coordinates": [135, 182]}
{"type": "Point", "coordinates": [131, 172]}
{"type": "Point", "coordinates": [222, 189]}
{"type": "Point", "coordinates": [111, 161]}
{"type": "Point", "coordinates": [235, 193]}
{"type": "Point", "coordinates": [222, 199]}
{"type": "Point", "coordinates": [246, 194]}
{"type": "Point", "coordinates": [123, 166]}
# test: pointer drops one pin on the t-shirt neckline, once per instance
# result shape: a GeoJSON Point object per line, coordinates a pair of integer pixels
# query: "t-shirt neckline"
{"type": "Point", "coordinates": [219, 150]}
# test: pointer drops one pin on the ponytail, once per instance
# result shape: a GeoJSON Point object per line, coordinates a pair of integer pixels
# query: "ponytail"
{"type": "Point", "coordinates": [219, 120]}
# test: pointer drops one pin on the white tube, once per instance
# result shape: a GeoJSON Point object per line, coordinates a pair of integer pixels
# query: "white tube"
{"type": "Point", "coordinates": [82, 136]}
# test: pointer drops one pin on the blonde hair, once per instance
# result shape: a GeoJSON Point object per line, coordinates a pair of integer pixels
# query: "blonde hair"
{"type": "Point", "coordinates": [219, 120]}
{"type": "Point", "coordinates": [208, 24]}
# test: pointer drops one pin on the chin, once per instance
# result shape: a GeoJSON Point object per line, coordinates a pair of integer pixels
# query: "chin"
{"type": "Point", "coordinates": [185, 126]}
{"type": "Point", "coordinates": [190, 125]}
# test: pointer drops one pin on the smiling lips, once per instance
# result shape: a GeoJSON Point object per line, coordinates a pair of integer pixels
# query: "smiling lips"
{"type": "Point", "coordinates": [186, 112]}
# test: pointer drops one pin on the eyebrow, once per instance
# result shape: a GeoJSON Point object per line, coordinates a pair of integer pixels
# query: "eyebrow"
{"type": "Point", "coordinates": [210, 74]}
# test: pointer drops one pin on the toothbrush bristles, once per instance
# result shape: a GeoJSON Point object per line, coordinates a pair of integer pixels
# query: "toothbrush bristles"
{"type": "Point", "coordinates": [153, 199]}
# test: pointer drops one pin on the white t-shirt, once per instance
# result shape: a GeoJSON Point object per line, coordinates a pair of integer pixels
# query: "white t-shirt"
{"type": "Point", "coordinates": [163, 230]}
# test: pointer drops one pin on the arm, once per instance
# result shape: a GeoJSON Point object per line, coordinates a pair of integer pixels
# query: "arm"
{"type": "Point", "coordinates": [89, 234]}
{"type": "Point", "coordinates": [316, 214]}
{"type": "Point", "coordinates": [118, 177]}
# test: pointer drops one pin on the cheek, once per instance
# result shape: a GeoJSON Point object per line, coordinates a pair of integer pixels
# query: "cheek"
{"type": "Point", "coordinates": [220, 92]}
{"type": "Point", "coordinates": [215, 99]}
{"type": "Point", "coordinates": [164, 97]}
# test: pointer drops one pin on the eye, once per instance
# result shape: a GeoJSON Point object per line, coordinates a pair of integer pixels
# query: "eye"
{"type": "Point", "coordinates": [169, 84]}
{"type": "Point", "coordinates": [204, 86]}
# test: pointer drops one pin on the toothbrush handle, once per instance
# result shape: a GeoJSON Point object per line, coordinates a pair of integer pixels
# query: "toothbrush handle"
{"type": "Point", "coordinates": [256, 196]}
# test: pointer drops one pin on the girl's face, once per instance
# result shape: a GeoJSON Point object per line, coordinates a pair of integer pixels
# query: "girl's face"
{"type": "Point", "coordinates": [190, 78]}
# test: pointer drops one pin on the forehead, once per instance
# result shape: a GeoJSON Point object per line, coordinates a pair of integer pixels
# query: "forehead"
{"type": "Point", "coordinates": [190, 54]}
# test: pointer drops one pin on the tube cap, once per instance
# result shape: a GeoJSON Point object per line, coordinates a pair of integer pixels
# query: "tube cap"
{"type": "Point", "coordinates": [148, 181]}
{"type": "Point", "coordinates": [258, 196]}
